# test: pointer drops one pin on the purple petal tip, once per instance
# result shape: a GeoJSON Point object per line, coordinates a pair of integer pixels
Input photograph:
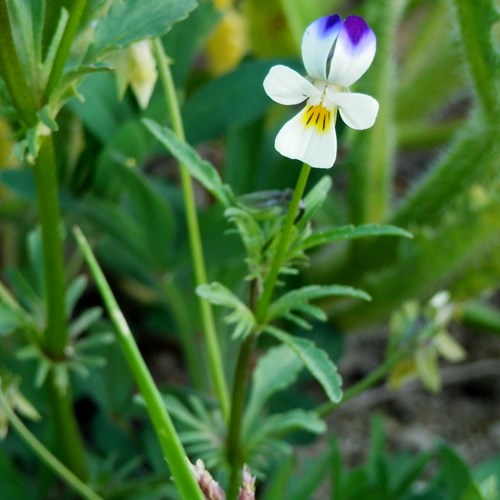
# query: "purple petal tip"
{"type": "Point", "coordinates": [328, 24]}
{"type": "Point", "coordinates": [356, 29]}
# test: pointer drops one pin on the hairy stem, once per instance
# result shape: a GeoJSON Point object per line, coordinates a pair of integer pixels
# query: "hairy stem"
{"type": "Point", "coordinates": [216, 366]}
{"type": "Point", "coordinates": [75, 16]}
{"type": "Point", "coordinates": [270, 282]}
{"type": "Point", "coordinates": [55, 338]}
{"type": "Point", "coordinates": [235, 452]}
{"type": "Point", "coordinates": [12, 72]}
{"type": "Point", "coordinates": [474, 21]}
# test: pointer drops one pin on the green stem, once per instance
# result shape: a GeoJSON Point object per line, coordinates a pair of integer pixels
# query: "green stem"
{"type": "Point", "coordinates": [55, 338]}
{"type": "Point", "coordinates": [171, 445]}
{"type": "Point", "coordinates": [481, 57]}
{"type": "Point", "coordinates": [75, 16]}
{"type": "Point", "coordinates": [58, 467]}
{"type": "Point", "coordinates": [270, 281]}
{"type": "Point", "coordinates": [212, 343]}
{"type": "Point", "coordinates": [360, 387]}
{"type": "Point", "coordinates": [63, 421]}
{"type": "Point", "coordinates": [235, 452]}
{"type": "Point", "coordinates": [12, 72]}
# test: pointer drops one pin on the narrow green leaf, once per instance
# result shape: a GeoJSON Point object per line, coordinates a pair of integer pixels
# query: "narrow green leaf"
{"type": "Point", "coordinates": [74, 292]}
{"type": "Point", "coordinates": [241, 315]}
{"type": "Point", "coordinates": [352, 232]}
{"type": "Point", "coordinates": [298, 300]}
{"type": "Point", "coordinates": [315, 360]}
{"type": "Point", "coordinates": [201, 170]}
{"type": "Point", "coordinates": [314, 472]}
{"type": "Point", "coordinates": [84, 321]}
{"type": "Point", "coordinates": [129, 21]}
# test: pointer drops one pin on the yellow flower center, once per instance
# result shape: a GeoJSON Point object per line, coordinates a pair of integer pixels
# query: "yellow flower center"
{"type": "Point", "coordinates": [318, 116]}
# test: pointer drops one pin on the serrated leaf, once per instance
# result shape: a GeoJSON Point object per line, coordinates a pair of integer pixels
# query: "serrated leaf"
{"type": "Point", "coordinates": [351, 232]}
{"type": "Point", "coordinates": [201, 170]}
{"type": "Point", "coordinates": [250, 232]}
{"type": "Point", "coordinates": [241, 315]}
{"type": "Point", "coordinates": [275, 371]}
{"type": "Point", "coordinates": [129, 21]}
{"type": "Point", "coordinates": [298, 301]}
{"type": "Point", "coordinates": [315, 360]}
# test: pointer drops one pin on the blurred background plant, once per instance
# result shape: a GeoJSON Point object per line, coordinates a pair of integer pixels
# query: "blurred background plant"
{"type": "Point", "coordinates": [91, 73]}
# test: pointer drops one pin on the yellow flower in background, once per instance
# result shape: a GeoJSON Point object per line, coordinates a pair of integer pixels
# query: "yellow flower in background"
{"type": "Point", "coordinates": [229, 42]}
{"type": "Point", "coordinates": [136, 66]}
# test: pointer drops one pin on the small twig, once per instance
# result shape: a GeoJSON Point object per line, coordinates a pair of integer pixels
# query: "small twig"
{"type": "Point", "coordinates": [450, 375]}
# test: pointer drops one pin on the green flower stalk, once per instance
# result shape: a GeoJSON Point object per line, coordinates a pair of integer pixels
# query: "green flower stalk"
{"type": "Point", "coordinates": [212, 343]}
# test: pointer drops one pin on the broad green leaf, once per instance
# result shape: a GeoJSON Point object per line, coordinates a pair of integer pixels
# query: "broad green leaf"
{"type": "Point", "coordinates": [129, 21]}
{"type": "Point", "coordinates": [352, 232]}
{"type": "Point", "coordinates": [454, 475]}
{"type": "Point", "coordinates": [200, 169]}
{"type": "Point", "coordinates": [276, 370]}
{"type": "Point", "coordinates": [234, 99]}
{"type": "Point", "coordinates": [298, 301]}
{"type": "Point", "coordinates": [241, 316]}
{"type": "Point", "coordinates": [315, 360]}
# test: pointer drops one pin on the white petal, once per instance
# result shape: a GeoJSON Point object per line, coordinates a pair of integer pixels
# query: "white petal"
{"type": "Point", "coordinates": [286, 86]}
{"type": "Point", "coordinates": [317, 44]}
{"type": "Point", "coordinates": [359, 111]}
{"type": "Point", "coordinates": [353, 53]}
{"type": "Point", "coordinates": [307, 143]}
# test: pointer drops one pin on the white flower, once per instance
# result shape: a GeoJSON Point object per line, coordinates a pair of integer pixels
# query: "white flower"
{"type": "Point", "coordinates": [136, 66]}
{"type": "Point", "coordinates": [335, 53]}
